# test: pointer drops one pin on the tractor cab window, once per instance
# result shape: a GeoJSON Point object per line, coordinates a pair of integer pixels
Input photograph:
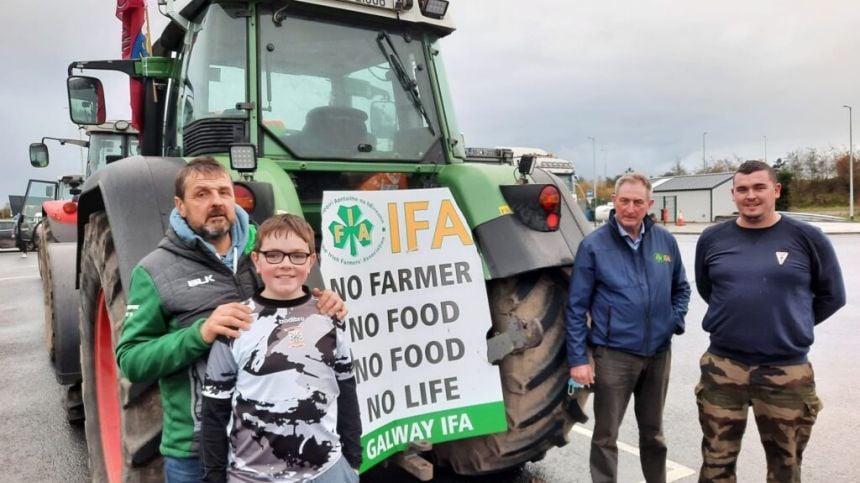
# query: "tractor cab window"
{"type": "Point", "coordinates": [108, 147]}
{"type": "Point", "coordinates": [337, 91]}
{"type": "Point", "coordinates": [214, 71]}
{"type": "Point", "coordinates": [64, 192]}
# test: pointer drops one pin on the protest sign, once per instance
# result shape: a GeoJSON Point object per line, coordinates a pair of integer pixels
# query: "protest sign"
{"type": "Point", "coordinates": [406, 263]}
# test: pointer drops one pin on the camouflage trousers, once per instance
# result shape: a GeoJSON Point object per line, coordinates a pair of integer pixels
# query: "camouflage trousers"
{"type": "Point", "coordinates": [785, 406]}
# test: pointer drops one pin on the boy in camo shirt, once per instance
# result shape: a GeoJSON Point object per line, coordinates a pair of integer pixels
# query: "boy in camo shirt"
{"type": "Point", "coordinates": [280, 401]}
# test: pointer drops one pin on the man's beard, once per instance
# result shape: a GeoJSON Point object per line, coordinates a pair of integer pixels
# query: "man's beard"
{"type": "Point", "coordinates": [213, 234]}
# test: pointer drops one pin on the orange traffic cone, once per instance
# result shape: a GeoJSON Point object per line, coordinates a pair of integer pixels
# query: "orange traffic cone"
{"type": "Point", "coordinates": [680, 220]}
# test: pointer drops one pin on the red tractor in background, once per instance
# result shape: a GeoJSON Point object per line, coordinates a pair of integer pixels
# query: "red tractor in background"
{"type": "Point", "coordinates": [54, 235]}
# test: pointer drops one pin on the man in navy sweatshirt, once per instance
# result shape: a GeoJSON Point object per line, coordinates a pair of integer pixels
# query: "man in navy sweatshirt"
{"type": "Point", "coordinates": [768, 280]}
{"type": "Point", "coordinates": [628, 277]}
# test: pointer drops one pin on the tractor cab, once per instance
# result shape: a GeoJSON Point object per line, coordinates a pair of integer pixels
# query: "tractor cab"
{"type": "Point", "coordinates": [105, 143]}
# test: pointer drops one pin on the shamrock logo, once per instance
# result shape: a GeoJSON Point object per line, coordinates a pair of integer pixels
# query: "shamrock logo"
{"type": "Point", "coordinates": [662, 258]}
{"type": "Point", "coordinates": [352, 230]}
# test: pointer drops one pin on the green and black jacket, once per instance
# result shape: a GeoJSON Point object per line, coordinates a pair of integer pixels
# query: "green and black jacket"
{"type": "Point", "coordinates": [173, 290]}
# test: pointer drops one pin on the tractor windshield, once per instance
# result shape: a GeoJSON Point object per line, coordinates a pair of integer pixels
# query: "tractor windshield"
{"type": "Point", "coordinates": [64, 192]}
{"type": "Point", "coordinates": [214, 73]}
{"type": "Point", "coordinates": [108, 147]}
{"type": "Point", "coordinates": [336, 91]}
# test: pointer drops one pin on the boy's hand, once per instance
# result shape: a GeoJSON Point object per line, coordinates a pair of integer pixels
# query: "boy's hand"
{"type": "Point", "coordinates": [226, 319]}
{"type": "Point", "coordinates": [330, 303]}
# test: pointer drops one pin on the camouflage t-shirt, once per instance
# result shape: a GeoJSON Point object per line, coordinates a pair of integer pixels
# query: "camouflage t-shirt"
{"type": "Point", "coordinates": [282, 377]}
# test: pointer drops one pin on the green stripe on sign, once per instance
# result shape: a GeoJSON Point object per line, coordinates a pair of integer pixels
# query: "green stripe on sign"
{"type": "Point", "coordinates": [438, 427]}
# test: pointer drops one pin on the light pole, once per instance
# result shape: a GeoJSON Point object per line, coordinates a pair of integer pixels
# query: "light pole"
{"type": "Point", "coordinates": [850, 162]}
{"type": "Point", "coordinates": [765, 149]}
{"type": "Point", "coordinates": [594, 188]}
{"type": "Point", "coordinates": [605, 164]}
{"type": "Point", "coordinates": [704, 158]}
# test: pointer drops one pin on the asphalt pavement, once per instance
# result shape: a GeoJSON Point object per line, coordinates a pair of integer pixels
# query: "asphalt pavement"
{"type": "Point", "coordinates": [42, 446]}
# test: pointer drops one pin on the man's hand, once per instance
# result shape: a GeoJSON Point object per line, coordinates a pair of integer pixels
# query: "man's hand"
{"type": "Point", "coordinates": [583, 374]}
{"type": "Point", "coordinates": [330, 303]}
{"type": "Point", "coordinates": [226, 319]}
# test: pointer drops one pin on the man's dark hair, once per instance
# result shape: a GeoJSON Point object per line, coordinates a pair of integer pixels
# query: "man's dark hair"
{"type": "Point", "coordinates": [201, 165]}
{"type": "Point", "coordinates": [753, 165]}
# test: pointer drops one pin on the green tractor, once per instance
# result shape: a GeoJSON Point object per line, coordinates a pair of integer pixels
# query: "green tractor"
{"type": "Point", "coordinates": [300, 98]}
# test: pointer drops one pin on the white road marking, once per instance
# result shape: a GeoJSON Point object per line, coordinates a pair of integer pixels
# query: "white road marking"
{"type": "Point", "coordinates": [674, 471]}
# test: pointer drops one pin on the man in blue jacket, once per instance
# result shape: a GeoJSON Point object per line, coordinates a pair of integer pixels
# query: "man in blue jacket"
{"type": "Point", "coordinates": [629, 280]}
{"type": "Point", "coordinates": [768, 281]}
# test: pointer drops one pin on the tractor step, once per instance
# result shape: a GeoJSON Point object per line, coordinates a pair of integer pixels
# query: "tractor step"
{"type": "Point", "coordinates": [519, 336]}
{"type": "Point", "coordinates": [413, 463]}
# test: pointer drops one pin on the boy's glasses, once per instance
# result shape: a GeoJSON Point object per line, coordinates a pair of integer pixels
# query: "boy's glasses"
{"type": "Point", "coordinates": [275, 257]}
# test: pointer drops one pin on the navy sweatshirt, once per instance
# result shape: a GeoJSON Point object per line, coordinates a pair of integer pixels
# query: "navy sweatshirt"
{"type": "Point", "coordinates": [766, 289]}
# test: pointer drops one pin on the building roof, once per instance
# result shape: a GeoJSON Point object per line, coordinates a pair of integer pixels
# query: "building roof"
{"type": "Point", "coordinates": [693, 182]}
{"type": "Point", "coordinates": [655, 182]}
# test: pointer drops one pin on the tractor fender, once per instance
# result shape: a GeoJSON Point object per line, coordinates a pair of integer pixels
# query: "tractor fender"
{"type": "Point", "coordinates": [67, 338]}
{"type": "Point", "coordinates": [136, 193]}
{"type": "Point", "coordinates": [574, 225]}
{"type": "Point", "coordinates": [61, 225]}
{"type": "Point", "coordinates": [510, 248]}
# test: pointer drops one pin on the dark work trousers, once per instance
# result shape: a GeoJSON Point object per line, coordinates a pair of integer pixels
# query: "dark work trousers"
{"type": "Point", "coordinates": [618, 375]}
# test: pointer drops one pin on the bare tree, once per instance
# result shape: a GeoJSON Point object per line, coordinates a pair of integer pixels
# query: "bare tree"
{"type": "Point", "coordinates": [678, 169]}
{"type": "Point", "coordinates": [721, 165]}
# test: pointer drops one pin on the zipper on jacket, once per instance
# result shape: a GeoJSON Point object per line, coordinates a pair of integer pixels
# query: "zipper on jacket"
{"type": "Point", "coordinates": [241, 267]}
{"type": "Point", "coordinates": [644, 260]}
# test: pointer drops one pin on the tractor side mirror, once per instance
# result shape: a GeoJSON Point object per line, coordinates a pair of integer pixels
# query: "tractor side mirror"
{"type": "Point", "coordinates": [86, 100]}
{"type": "Point", "coordinates": [38, 155]}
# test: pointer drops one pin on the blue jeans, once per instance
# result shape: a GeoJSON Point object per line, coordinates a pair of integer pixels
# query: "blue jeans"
{"type": "Point", "coordinates": [182, 470]}
{"type": "Point", "coordinates": [340, 472]}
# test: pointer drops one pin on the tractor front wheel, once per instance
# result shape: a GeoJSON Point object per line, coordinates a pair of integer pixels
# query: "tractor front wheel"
{"type": "Point", "coordinates": [123, 420]}
{"type": "Point", "coordinates": [534, 381]}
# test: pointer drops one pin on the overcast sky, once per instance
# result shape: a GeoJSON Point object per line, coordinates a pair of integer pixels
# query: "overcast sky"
{"type": "Point", "coordinates": [644, 78]}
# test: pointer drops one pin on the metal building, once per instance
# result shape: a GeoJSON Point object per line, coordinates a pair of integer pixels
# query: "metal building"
{"type": "Point", "coordinates": [700, 197]}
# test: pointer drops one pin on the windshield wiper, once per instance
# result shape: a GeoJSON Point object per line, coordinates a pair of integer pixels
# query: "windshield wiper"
{"type": "Point", "coordinates": [409, 85]}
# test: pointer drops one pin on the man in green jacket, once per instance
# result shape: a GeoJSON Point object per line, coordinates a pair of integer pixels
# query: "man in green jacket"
{"type": "Point", "coordinates": [185, 294]}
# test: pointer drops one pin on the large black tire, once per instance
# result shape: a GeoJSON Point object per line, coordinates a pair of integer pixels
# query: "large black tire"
{"type": "Point", "coordinates": [534, 381]}
{"type": "Point", "coordinates": [47, 292]}
{"type": "Point", "coordinates": [62, 319]}
{"type": "Point", "coordinates": [123, 420]}
{"type": "Point", "coordinates": [62, 316]}
{"type": "Point", "coordinates": [43, 232]}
